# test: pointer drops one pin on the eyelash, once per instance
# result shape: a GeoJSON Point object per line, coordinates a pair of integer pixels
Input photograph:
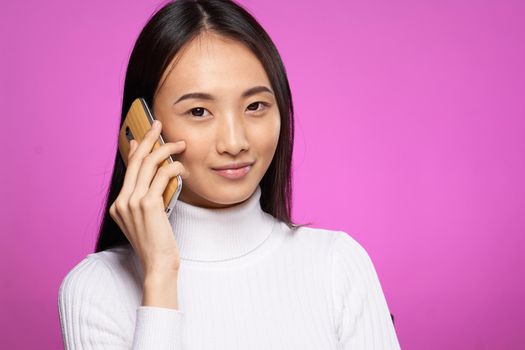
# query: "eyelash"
{"type": "Point", "coordinates": [264, 104]}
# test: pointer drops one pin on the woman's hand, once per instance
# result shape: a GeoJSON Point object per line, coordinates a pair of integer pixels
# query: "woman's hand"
{"type": "Point", "coordinates": [139, 207]}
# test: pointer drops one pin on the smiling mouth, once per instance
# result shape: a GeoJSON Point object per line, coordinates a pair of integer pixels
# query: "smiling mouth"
{"type": "Point", "coordinates": [237, 165]}
{"type": "Point", "coordinates": [234, 173]}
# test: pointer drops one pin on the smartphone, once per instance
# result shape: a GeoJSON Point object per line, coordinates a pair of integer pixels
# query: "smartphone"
{"type": "Point", "coordinates": [138, 121]}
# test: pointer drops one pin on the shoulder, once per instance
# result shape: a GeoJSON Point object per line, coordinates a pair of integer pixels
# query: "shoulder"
{"type": "Point", "coordinates": [338, 244]}
{"type": "Point", "coordinates": [337, 250]}
{"type": "Point", "coordinates": [355, 282]}
{"type": "Point", "coordinates": [88, 271]}
{"type": "Point", "coordinates": [95, 266]}
{"type": "Point", "coordinates": [346, 261]}
{"type": "Point", "coordinates": [319, 238]}
{"type": "Point", "coordinates": [98, 277]}
{"type": "Point", "coordinates": [97, 300]}
{"type": "Point", "coordinates": [346, 254]}
{"type": "Point", "coordinates": [361, 312]}
{"type": "Point", "coordinates": [347, 250]}
{"type": "Point", "coordinates": [352, 266]}
{"type": "Point", "coordinates": [87, 289]}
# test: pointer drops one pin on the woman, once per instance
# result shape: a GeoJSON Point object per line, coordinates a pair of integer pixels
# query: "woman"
{"type": "Point", "coordinates": [228, 269]}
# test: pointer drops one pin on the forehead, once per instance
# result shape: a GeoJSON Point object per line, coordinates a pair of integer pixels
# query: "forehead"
{"type": "Point", "coordinates": [211, 61]}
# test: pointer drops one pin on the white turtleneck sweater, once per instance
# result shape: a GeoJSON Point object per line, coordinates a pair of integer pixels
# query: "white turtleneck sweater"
{"type": "Point", "coordinates": [246, 281]}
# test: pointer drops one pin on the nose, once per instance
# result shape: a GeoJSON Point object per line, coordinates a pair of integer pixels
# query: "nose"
{"type": "Point", "coordinates": [231, 136]}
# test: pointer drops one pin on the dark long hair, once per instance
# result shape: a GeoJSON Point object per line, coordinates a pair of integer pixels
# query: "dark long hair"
{"type": "Point", "coordinates": [175, 24]}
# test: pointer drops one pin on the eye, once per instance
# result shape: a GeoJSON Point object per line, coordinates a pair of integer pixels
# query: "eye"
{"type": "Point", "coordinates": [197, 110]}
{"type": "Point", "coordinates": [256, 104]}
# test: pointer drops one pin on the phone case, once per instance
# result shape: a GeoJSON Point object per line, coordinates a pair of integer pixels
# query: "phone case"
{"type": "Point", "coordinates": [136, 124]}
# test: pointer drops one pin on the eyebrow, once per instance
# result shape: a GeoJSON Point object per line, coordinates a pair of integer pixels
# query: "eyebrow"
{"type": "Point", "coordinates": [204, 96]}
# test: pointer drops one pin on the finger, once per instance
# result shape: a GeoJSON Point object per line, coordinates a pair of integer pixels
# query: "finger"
{"type": "Point", "coordinates": [151, 164]}
{"type": "Point", "coordinates": [142, 149]}
{"type": "Point", "coordinates": [122, 225]}
{"type": "Point", "coordinates": [147, 143]}
{"type": "Point", "coordinates": [132, 147]}
{"type": "Point", "coordinates": [117, 217]}
{"type": "Point", "coordinates": [164, 175]}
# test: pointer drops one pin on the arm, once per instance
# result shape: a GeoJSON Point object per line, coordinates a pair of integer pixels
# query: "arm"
{"type": "Point", "coordinates": [92, 315]}
{"type": "Point", "coordinates": [362, 317]}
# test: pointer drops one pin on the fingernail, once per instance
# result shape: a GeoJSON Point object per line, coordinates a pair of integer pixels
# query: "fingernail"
{"type": "Point", "coordinates": [156, 123]}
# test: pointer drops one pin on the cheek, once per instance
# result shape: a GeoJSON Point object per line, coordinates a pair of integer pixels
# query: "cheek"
{"type": "Point", "coordinates": [273, 131]}
{"type": "Point", "coordinates": [266, 138]}
{"type": "Point", "coordinates": [196, 151]}
{"type": "Point", "coordinates": [194, 155]}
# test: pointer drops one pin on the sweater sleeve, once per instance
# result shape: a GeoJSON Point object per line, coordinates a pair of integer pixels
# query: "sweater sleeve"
{"type": "Point", "coordinates": [92, 315]}
{"type": "Point", "coordinates": [362, 317]}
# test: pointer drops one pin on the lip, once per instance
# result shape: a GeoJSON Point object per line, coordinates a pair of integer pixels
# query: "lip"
{"type": "Point", "coordinates": [234, 173]}
{"type": "Point", "coordinates": [237, 165]}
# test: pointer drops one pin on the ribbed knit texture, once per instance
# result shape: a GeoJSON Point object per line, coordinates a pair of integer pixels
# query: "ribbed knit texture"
{"type": "Point", "coordinates": [246, 281]}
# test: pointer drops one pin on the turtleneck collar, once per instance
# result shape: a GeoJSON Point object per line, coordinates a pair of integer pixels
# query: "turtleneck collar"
{"type": "Point", "coordinates": [209, 235]}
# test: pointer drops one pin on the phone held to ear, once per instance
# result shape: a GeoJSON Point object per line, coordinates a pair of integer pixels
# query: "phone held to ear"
{"type": "Point", "coordinates": [137, 123]}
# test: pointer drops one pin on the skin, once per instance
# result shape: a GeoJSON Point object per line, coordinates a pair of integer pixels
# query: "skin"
{"type": "Point", "coordinates": [230, 128]}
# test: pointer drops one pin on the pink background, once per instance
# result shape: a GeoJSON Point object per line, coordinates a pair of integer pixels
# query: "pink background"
{"type": "Point", "coordinates": [410, 137]}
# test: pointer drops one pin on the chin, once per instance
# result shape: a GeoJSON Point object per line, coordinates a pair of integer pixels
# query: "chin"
{"type": "Point", "coordinates": [231, 194]}
{"type": "Point", "coordinates": [217, 193]}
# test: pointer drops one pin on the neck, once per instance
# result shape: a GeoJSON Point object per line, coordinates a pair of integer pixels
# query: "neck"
{"type": "Point", "coordinates": [205, 234]}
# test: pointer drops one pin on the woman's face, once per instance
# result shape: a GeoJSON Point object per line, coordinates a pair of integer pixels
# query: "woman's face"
{"type": "Point", "coordinates": [226, 127]}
